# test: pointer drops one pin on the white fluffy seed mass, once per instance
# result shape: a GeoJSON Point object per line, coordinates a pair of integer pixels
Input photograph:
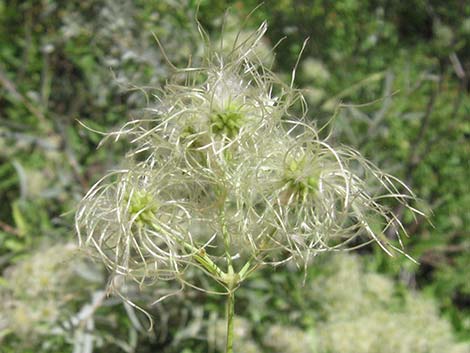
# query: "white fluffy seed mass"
{"type": "Point", "coordinates": [224, 168]}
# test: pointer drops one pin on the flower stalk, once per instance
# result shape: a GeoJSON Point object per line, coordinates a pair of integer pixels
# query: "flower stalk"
{"type": "Point", "coordinates": [230, 317]}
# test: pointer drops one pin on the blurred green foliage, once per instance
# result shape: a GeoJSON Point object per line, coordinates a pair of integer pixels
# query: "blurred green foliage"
{"type": "Point", "coordinates": [390, 78]}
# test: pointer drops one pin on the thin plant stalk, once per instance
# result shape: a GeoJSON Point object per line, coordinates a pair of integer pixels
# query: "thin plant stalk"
{"type": "Point", "coordinates": [230, 316]}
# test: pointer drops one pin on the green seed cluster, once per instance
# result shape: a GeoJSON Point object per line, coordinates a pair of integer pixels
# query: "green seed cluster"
{"type": "Point", "coordinates": [301, 185]}
{"type": "Point", "coordinates": [143, 206]}
{"type": "Point", "coordinates": [226, 123]}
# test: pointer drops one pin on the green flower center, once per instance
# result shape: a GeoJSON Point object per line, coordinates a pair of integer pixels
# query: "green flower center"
{"type": "Point", "coordinates": [144, 206]}
{"type": "Point", "coordinates": [298, 183]}
{"type": "Point", "coordinates": [227, 123]}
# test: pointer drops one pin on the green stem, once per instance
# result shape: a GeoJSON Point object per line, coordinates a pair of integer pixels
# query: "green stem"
{"type": "Point", "coordinates": [205, 261]}
{"type": "Point", "coordinates": [230, 316]}
{"type": "Point", "coordinates": [247, 270]}
{"type": "Point", "coordinates": [200, 256]}
{"type": "Point", "coordinates": [227, 244]}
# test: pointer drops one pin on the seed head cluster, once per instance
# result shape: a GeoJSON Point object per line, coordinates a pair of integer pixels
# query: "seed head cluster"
{"type": "Point", "coordinates": [224, 173]}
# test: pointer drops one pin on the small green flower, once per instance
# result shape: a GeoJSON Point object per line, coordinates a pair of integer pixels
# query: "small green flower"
{"type": "Point", "coordinates": [227, 123]}
{"type": "Point", "coordinates": [142, 206]}
{"type": "Point", "coordinates": [300, 184]}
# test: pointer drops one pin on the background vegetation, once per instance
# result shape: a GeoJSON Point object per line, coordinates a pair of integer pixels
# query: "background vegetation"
{"type": "Point", "coordinates": [395, 77]}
